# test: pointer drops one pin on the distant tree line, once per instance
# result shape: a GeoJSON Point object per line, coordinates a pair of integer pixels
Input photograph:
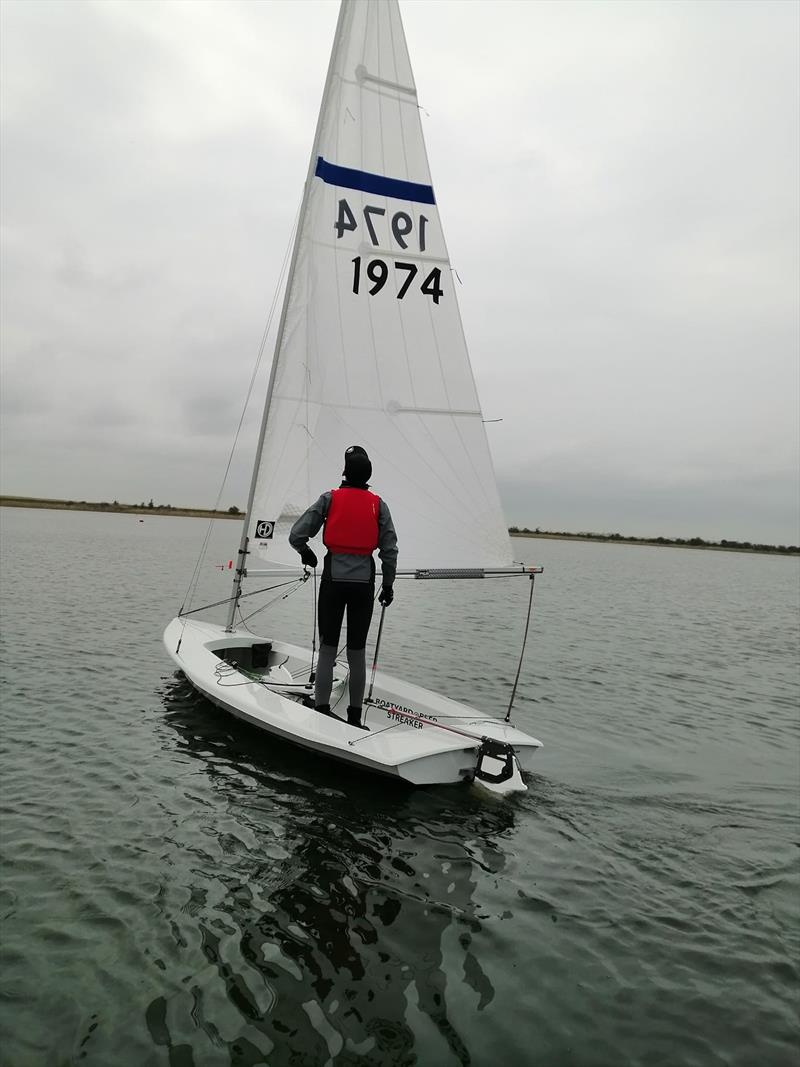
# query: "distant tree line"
{"type": "Point", "coordinates": [693, 542]}
{"type": "Point", "coordinates": [690, 542]}
{"type": "Point", "coordinates": [104, 505]}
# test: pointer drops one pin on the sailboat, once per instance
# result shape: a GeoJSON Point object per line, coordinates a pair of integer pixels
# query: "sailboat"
{"type": "Point", "coordinates": [369, 349]}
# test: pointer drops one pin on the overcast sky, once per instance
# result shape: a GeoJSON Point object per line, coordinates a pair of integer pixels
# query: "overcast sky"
{"type": "Point", "coordinates": [618, 183]}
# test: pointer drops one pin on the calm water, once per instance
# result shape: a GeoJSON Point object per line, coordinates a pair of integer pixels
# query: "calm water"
{"type": "Point", "coordinates": [180, 890]}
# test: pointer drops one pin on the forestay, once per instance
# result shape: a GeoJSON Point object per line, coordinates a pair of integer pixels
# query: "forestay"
{"type": "Point", "coordinates": [371, 349]}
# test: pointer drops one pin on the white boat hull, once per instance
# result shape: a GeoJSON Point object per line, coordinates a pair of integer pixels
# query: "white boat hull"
{"type": "Point", "coordinates": [413, 734]}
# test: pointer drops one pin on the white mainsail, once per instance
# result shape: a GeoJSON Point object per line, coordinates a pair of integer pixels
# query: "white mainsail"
{"type": "Point", "coordinates": [371, 349]}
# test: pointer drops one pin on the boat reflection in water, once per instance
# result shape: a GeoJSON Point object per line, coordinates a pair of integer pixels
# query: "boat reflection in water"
{"type": "Point", "coordinates": [317, 910]}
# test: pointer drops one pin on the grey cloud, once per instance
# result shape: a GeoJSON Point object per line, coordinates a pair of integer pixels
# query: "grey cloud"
{"type": "Point", "coordinates": [618, 189]}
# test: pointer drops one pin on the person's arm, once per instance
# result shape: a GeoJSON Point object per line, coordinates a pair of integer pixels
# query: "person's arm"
{"type": "Point", "coordinates": [387, 546]}
{"type": "Point", "coordinates": [308, 525]}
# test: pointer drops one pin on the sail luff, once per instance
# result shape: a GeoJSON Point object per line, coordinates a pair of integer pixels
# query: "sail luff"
{"type": "Point", "coordinates": [297, 241]}
{"type": "Point", "coordinates": [284, 308]}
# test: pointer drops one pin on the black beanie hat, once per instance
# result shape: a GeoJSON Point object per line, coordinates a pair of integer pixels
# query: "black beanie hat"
{"type": "Point", "coordinates": [357, 467]}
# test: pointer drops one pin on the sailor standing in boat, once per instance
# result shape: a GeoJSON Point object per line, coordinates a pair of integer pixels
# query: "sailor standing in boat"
{"type": "Point", "coordinates": [356, 523]}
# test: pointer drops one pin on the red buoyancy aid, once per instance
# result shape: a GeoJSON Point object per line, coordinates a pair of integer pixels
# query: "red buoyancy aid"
{"type": "Point", "coordinates": [351, 526]}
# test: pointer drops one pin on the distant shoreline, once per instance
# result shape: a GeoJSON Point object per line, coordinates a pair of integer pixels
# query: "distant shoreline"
{"type": "Point", "coordinates": [662, 542]}
{"type": "Point", "coordinates": [116, 507]}
{"type": "Point", "coordinates": [233, 513]}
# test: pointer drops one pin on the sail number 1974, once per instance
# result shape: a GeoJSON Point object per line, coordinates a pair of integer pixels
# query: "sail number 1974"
{"type": "Point", "coordinates": [377, 270]}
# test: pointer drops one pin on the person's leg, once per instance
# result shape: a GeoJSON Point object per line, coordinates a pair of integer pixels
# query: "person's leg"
{"type": "Point", "coordinates": [323, 681]}
{"type": "Point", "coordinates": [357, 661]}
{"type": "Point", "coordinates": [330, 614]}
{"type": "Point", "coordinates": [360, 602]}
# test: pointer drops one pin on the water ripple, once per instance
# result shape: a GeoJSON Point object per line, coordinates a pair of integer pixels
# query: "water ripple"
{"type": "Point", "coordinates": [181, 889]}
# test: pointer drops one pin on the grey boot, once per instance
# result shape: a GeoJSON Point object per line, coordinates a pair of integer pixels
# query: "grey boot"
{"type": "Point", "coordinates": [354, 718]}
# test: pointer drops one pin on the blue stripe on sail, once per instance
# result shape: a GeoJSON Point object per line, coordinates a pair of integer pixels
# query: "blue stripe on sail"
{"type": "Point", "coordinates": [348, 178]}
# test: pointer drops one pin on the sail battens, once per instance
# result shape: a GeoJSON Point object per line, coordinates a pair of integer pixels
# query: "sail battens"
{"type": "Point", "coordinates": [388, 91]}
{"type": "Point", "coordinates": [403, 410]}
{"type": "Point", "coordinates": [363, 75]}
{"type": "Point", "coordinates": [368, 249]}
{"type": "Point", "coordinates": [387, 409]}
{"type": "Point", "coordinates": [418, 257]}
{"type": "Point", "coordinates": [377, 184]}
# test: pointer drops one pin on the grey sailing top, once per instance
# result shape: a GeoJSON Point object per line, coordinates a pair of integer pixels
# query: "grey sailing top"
{"type": "Point", "coordinates": [345, 568]}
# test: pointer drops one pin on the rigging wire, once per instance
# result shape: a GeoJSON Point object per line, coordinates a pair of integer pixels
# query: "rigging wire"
{"type": "Point", "coordinates": [283, 596]}
{"type": "Point", "coordinates": [522, 651]}
{"type": "Point", "coordinates": [194, 580]}
{"type": "Point", "coordinates": [255, 592]}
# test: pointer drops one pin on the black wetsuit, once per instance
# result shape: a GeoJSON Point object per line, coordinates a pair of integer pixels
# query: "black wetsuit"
{"type": "Point", "coordinates": [348, 584]}
{"type": "Point", "coordinates": [358, 599]}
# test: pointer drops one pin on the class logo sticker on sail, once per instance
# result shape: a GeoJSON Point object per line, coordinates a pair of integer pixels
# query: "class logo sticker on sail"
{"type": "Point", "coordinates": [265, 529]}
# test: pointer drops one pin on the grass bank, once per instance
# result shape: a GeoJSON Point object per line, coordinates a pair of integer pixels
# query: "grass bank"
{"type": "Point", "coordinates": [234, 513]}
{"type": "Point", "coordinates": [115, 506]}
{"type": "Point", "coordinates": [666, 542]}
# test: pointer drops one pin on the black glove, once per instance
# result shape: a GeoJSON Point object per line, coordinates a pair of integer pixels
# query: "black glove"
{"type": "Point", "coordinates": [386, 596]}
{"type": "Point", "coordinates": [308, 557]}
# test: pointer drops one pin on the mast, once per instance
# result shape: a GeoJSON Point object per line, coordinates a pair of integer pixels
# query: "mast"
{"type": "Point", "coordinates": [370, 341]}
{"type": "Point", "coordinates": [241, 559]}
